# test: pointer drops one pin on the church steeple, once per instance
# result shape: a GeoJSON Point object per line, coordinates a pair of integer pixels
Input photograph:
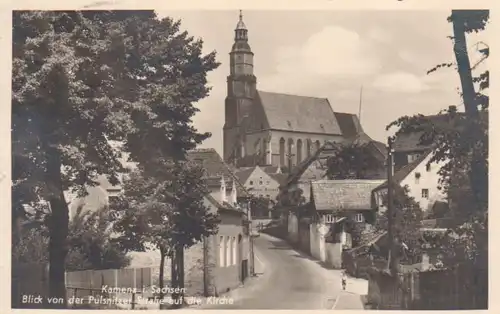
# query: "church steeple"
{"type": "Point", "coordinates": [241, 32]}
{"type": "Point", "coordinates": [241, 88]}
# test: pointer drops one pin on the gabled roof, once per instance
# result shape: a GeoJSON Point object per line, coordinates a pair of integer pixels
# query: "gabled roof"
{"type": "Point", "coordinates": [223, 207]}
{"type": "Point", "coordinates": [341, 195]}
{"type": "Point", "coordinates": [279, 177]}
{"type": "Point", "coordinates": [216, 168]}
{"type": "Point", "coordinates": [244, 173]}
{"type": "Point", "coordinates": [409, 142]}
{"type": "Point", "coordinates": [402, 173]}
{"type": "Point", "coordinates": [296, 113]}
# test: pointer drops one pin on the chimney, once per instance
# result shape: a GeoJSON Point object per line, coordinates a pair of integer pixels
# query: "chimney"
{"type": "Point", "coordinates": [234, 195]}
{"type": "Point", "coordinates": [223, 196]}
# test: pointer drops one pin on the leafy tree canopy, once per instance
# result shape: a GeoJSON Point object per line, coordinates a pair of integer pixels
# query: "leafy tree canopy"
{"type": "Point", "coordinates": [352, 161]}
{"type": "Point", "coordinates": [164, 213]}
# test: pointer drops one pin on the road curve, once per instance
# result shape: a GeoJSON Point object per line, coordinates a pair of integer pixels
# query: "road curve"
{"type": "Point", "coordinates": [289, 280]}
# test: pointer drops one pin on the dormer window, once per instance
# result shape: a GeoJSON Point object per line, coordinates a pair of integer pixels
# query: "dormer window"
{"type": "Point", "coordinates": [428, 167]}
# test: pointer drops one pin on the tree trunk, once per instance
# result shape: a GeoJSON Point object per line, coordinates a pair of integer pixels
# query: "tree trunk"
{"type": "Point", "coordinates": [178, 276]}
{"type": "Point", "coordinates": [478, 175]}
{"type": "Point", "coordinates": [58, 228]}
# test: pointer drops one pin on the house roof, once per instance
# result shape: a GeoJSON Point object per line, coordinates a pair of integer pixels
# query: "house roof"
{"type": "Point", "coordinates": [215, 169]}
{"type": "Point", "coordinates": [270, 169]}
{"type": "Point", "coordinates": [244, 173]}
{"type": "Point", "coordinates": [349, 124]}
{"type": "Point", "coordinates": [342, 195]}
{"type": "Point", "coordinates": [223, 207]}
{"type": "Point", "coordinates": [381, 147]}
{"type": "Point", "coordinates": [409, 142]}
{"type": "Point", "coordinates": [295, 113]}
{"type": "Point", "coordinates": [279, 177]}
{"type": "Point", "coordinates": [402, 173]}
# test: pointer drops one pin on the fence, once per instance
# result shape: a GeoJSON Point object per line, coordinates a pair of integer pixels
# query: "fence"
{"type": "Point", "coordinates": [461, 288]}
{"type": "Point", "coordinates": [32, 280]}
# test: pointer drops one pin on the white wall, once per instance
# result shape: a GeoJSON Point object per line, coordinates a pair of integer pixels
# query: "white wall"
{"type": "Point", "coordinates": [293, 228]}
{"type": "Point", "coordinates": [262, 184]}
{"type": "Point", "coordinates": [428, 180]}
{"type": "Point", "coordinates": [317, 240]}
{"type": "Point", "coordinates": [334, 255]}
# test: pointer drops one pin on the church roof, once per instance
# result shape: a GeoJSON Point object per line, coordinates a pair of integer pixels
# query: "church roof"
{"type": "Point", "coordinates": [349, 124]}
{"type": "Point", "coordinates": [299, 113]}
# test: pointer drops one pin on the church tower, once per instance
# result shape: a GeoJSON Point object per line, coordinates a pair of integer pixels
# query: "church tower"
{"type": "Point", "coordinates": [241, 89]}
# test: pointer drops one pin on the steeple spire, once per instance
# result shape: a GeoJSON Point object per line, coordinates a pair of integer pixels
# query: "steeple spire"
{"type": "Point", "coordinates": [240, 24]}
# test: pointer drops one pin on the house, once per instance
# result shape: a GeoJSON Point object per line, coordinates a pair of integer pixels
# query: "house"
{"type": "Point", "coordinates": [421, 179]}
{"type": "Point", "coordinates": [351, 199]}
{"type": "Point", "coordinates": [341, 204]}
{"type": "Point", "coordinates": [221, 261]}
{"type": "Point", "coordinates": [220, 178]}
{"type": "Point", "coordinates": [229, 263]}
{"type": "Point", "coordinates": [262, 182]}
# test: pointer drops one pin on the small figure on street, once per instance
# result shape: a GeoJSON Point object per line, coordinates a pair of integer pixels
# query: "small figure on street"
{"type": "Point", "coordinates": [344, 280]}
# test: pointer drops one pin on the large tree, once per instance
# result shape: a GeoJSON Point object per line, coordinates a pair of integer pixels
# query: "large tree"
{"type": "Point", "coordinates": [167, 214]}
{"type": "Point", "coordinates": [83, 78]}
{"type": "Point", "coordinates": [460, 141]}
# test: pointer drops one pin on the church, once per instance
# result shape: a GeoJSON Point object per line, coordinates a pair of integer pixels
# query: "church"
{"type": "Point", "coordinates": [274, 129]}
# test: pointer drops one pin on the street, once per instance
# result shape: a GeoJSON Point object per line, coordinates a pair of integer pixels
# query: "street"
{"type": "Point", "coordinates": [290, 280]}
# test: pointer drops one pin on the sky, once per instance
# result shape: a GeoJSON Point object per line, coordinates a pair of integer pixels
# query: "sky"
{"type": "Point", "coordinates": [333, 54]}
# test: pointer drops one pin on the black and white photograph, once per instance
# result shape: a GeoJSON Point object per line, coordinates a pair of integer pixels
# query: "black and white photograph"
{"type": "Point", "coordinates": [250, 159]}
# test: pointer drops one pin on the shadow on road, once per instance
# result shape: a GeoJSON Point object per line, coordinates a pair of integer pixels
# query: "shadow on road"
{"type": "Point", "coordinates": [320, 263]}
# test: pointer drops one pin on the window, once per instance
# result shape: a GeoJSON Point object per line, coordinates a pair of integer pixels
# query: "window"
{"type": "Point", "coordinates": [251, 182]}
{"type": "Point", "coordinates": [222, 256]}
{"type": "Point", "coordinates": [228, 251]}
{"type": "Point", "coordinates": [260, 182]}
{"type": "Point", "coordinates": [413, 157]}
{"type": "Point", "coordinates": [425, 193]}
{"type": "Point", "coordinates": [428, 167]}
{"type": "Point", "coordinates": [267, 182]}
{"type": "Point", "coordinates": [359, 218]}
{"type": "Point", "coordinates": [268, 196]}
{"type": "Point", "coordinates": [235, 250]}
{"type": "Point", "coordinates": [417, 177]}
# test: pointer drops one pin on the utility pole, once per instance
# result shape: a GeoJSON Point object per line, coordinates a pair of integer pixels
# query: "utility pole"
{"type": "Point", "coordinates": [393, 262]}
{"type": "Point", "coordinates": [250, 227]}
